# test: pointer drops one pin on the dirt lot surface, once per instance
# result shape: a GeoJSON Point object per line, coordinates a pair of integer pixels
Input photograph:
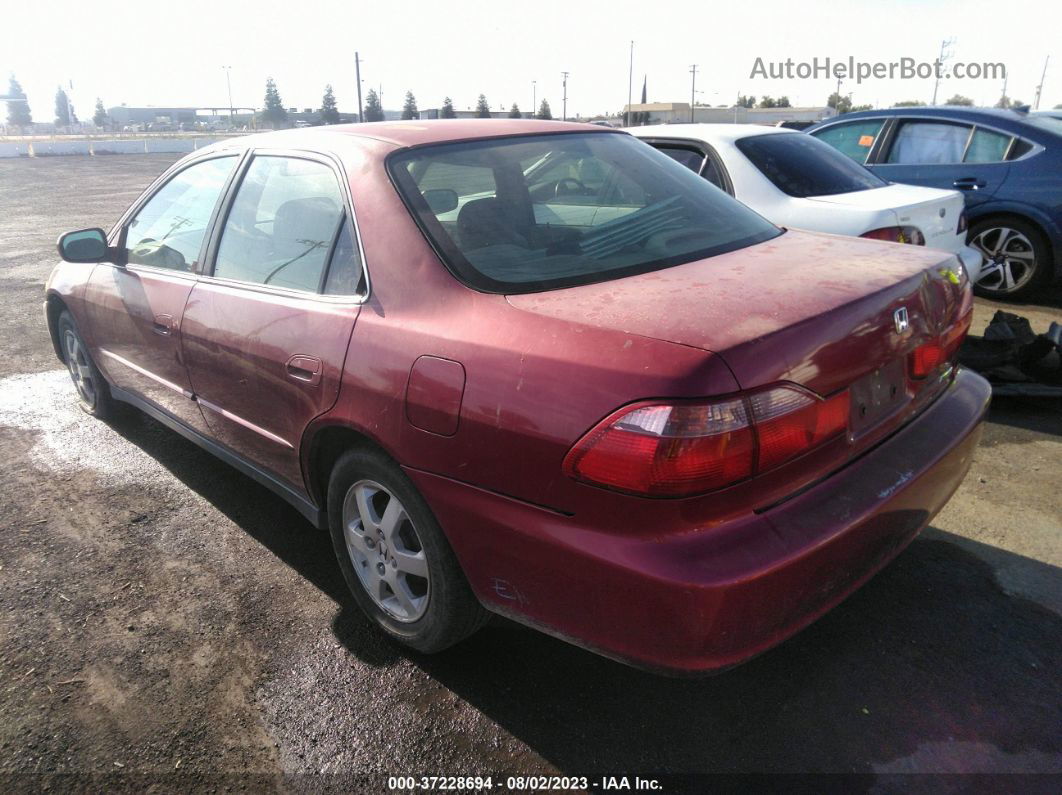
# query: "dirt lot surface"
{"type": "Point", "coordinates": [165, 621]}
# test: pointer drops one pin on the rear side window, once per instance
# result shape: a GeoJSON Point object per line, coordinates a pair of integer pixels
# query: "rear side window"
{"type": "Point", "coordinates": [987, 146]}
{"type": "Point", "coordinates": [565, 209]}
{"type": "Point", "coordinates": [801, 166]}
{"type": "Point", "coordinates": [1021, 148]}
{"type": "Point", "coordinates": [852, 139]}
{"type": "Point", "coordinates": [929, 143]}
{"type": "Point", "coordinates": [168, 231]}
{"type": "Point", "coordinates": [283, 224]}
{"type": "Point", "coordinates": [690, 158]}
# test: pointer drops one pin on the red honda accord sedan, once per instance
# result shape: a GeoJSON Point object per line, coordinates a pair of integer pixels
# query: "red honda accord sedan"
{"type": "Point", "coordinates": [536, 369]}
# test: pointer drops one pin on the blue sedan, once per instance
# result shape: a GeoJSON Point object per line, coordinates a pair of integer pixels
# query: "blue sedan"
{"type": "Point", "coordinates": [1007, 163]}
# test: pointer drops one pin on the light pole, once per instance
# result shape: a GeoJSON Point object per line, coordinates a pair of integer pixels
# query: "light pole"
{"type": "Point", "coordinates": [1043, 77]}
{"type": "Point", "coordinates": [564, 99]}
{"type": "Point", "coordinates": [534, 98]}
{"type": "Point", "coordinates": [630, 84]}
{"type": "Point", "coordinates": [357, 75]}
{"type": "Point", "coordinates": [228, 84]}
{"type": "Point", "coordinates": [944, 45]}
{"type": "Point", "coordinates": [693, 89]}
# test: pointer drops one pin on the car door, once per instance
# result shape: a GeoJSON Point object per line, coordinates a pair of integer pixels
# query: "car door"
{"type": "Point", "coordinates": [134, 304]}
{"type": "Point", "coordinates": [941, 153]}
{"type": "Point", "coordinates": [265, 331]}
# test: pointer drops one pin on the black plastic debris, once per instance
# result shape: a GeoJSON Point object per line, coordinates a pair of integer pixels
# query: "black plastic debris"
{"type": "Point", "coordinates": [1015, 359]}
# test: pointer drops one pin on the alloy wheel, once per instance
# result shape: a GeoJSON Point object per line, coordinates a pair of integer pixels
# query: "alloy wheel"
{"type": "Point", "coordinates": [1010, 259]}
{"type": "Point", "coordinates": [80, 370]}
{"type": "Point", "coordinates": [386, 551]}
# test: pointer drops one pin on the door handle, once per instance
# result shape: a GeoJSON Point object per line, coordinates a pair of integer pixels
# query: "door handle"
{"type": "Point", "coordinates": [969, 183]}
{"type": "Point", "coordinates": [304, 368]}
{"type": "Point", "coordinates": [162, 325]}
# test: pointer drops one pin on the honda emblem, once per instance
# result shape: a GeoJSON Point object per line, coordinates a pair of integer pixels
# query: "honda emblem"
{"type": "Point", "coordinates": [899, 317]}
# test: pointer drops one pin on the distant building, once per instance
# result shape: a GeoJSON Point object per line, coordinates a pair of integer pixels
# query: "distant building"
{"type": "Point", "coordinates": [679, 113]}
{"type": "Point", "coordinates": [166, 116]}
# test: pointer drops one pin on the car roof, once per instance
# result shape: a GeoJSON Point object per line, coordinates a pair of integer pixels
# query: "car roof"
{"type": "Point", "coordinates": [712, 133]}
{"type": "Point", "coordinates": [413, 133]}
{"type": "Point", "coordinates": [996, 116]}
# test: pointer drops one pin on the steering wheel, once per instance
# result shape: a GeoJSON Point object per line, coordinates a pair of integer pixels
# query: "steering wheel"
{"type": "Point", "coordinates": [579, 187]}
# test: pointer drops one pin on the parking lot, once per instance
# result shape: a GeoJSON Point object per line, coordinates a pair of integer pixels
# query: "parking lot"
{"type": "Point", "coordinates": [165, 620]}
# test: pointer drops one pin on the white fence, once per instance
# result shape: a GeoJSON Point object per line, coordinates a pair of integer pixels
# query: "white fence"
{"type": "Point", "coordinates": [116, 146]}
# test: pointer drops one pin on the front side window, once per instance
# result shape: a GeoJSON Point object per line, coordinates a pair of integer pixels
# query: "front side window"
{"type": "Point", "coordinates": [283, 224]}
{"type": "Point", "coordinates": [929, 143]}
{"type": "Point", "coordinates": [801, 166]}
{"type": "Point", "coordinates": [168, 231]}
{"type": "Point", "coordinates": [853, 139]}
{"type": "Point", "coordinates": [566, 209]}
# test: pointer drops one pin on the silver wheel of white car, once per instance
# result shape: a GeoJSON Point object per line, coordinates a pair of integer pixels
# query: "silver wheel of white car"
{"type": "Point", "coordinates": [385, 551]}
{"type": "Point", "coordinates": [1015, 258]}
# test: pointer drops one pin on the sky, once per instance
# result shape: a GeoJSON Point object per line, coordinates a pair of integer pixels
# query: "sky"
{"type": "Point", "coordinates": [158, 53]}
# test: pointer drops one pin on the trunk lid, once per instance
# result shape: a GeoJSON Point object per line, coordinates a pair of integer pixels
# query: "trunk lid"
{"type": "Point", "coordinates": [812, 309]}
{"type": "Point", "coordinates": [933, 211]}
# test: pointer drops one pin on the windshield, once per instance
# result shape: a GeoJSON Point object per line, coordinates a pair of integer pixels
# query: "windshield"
{"type": "Point", "coordinates": [539, 212]}
{"type": "Point", "coordinates": [803, 166]}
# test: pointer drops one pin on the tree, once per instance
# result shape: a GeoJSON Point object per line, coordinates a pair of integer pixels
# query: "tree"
{"type": "Point", "coordinates": [746, 102]}
{"type": "Point", "coordinates": [64, 113]}
{"type": "Point", "coordinates": [18, 113]}
{"type": "Point", "coordinates": [99, 118]}
{"type": "Point", "coordinates": [910, 103]}
{"type": "Point", "coordinates": [514, 112]}
{"type": "Point", "coordinates": [373, 108]}
{"type": "Point", "coordinates": [409, 107]}
{"type": "Point", "coordinates": [856, 108]}
{"type": "Point", "coordinates": [768, 102]}
{"type": "Point", "coordinates": [273, 113]}
{"type": "Point", "coordinates": [783, 102]}
{"type": "Point", "coordinates": [543, 111]}
{"type": "Point", "coordinates": [329, 111]}
{"type": "Point", "coordinates": [482, 107]}
{"type": "Point", "coordinates": [1006, 102]}
{"type": "Point", "coordinates": [959, 99]}
{"type": "Point", "coordinates": [840, 103]}
{"type": "Point", "coordinates": [447, 109]}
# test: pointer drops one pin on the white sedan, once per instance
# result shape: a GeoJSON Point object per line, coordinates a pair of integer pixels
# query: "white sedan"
{"type": "Point", "coordinates": [795, 180]}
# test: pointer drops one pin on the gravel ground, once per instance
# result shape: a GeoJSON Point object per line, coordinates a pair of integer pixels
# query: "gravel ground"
{"type": "Point", "coordinates": [167, 623]}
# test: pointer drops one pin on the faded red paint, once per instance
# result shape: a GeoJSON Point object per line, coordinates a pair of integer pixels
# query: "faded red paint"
{"type": "Point", "coordinates": [687, 584]}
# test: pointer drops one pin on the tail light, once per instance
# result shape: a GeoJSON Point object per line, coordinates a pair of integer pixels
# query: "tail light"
{"type": "Point", "coordinates": [680, 449]}
{"type": "Point", "coordinates": [926, 358]}
{"type": "Point", "coordinates": [963, 223]}
{"type": "Point", "coordinates": [897, 234]}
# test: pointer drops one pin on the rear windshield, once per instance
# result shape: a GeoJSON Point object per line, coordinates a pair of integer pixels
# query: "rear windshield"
{"type": "Point", "coordinates": [802, 166]}
{"type": "Point", "coordinates": [530, 213]}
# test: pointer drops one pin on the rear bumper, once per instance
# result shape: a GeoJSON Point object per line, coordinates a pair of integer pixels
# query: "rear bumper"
{"type": "Point", "coordinates": [695, 600]}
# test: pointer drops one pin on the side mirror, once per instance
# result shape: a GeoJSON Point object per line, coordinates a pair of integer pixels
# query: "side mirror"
{"type": "Point", "coordinates": [440, 200]}
{"type": "Point", "coordinates": [85, 245]}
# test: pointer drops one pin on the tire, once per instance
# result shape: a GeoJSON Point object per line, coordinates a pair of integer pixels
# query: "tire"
{"type": "Point", "coordinates": [93, 391]}
{"type": "Point", "coordinates": [1017, 258]}
{"type": "Point", "coordinates": [385, 538]}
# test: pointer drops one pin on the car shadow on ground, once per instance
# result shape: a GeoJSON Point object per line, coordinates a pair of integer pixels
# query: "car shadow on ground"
{"type": "Point", "coordinates": [931, 665]}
